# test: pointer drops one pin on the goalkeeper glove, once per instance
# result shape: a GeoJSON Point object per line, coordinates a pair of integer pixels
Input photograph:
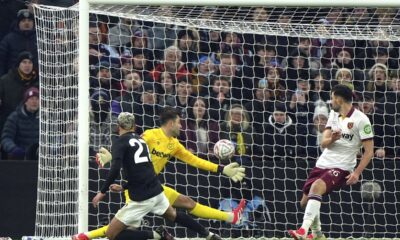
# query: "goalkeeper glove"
{"type": "Point", "coordinates": [234, 171]}
{"type": "Point", "coordinates": [103, 157]}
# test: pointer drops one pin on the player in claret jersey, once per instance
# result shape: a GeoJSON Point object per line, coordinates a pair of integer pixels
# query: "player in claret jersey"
{"type": "Point", "coordinates": [346, 131]}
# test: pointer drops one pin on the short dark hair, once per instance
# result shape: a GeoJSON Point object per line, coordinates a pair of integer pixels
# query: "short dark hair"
{"type": "Point", "coordinates": [168, 113]}
{"type": "Point", "coordinates": [343, 91]}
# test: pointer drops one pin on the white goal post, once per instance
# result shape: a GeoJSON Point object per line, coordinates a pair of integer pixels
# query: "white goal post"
{"type": "Point", "coordinates": [278, 29]}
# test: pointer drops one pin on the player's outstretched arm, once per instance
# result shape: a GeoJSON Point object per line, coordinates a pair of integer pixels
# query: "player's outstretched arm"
{"type": "Point", "coordinates": [368, 146]}
{"type": "Point", "coordinates": [232, 170]}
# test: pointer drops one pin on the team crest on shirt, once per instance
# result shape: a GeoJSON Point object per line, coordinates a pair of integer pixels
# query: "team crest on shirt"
{"type": "Point", "coordinates": [170, 146]}
{"type": "Point", "coordinates": [350, 125]}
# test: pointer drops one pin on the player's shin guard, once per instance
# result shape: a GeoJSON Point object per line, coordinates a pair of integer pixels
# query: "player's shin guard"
{"type": "Point", "coordinates": [97, 233]}
{"type": "Point", "coordinates": [206, 212]}
{"type": "Point", "coordinates": [312, 210]}
{"type": "Point", "coordinates": [134, 234]}
{"type": "Point", "coordinates": [188, 222]}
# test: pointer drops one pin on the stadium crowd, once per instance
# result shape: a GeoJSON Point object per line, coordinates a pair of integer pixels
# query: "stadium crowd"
{"type": "Point", "coordinates": [267, 94]}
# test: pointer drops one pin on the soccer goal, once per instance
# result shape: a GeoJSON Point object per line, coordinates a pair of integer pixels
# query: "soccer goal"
{"type": "Point", "coordinates": [227, 58]}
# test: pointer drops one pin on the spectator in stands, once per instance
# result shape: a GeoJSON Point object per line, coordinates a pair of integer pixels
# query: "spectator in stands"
{"type": "Point", "coordinates": [264, 58]}
{"type": "Point", "coordinates": [146, 109]}
{"type": "Point", "coordinates": [21, 38]}
{"type": "Point", "coordinates": [209, 41]}
{"type": "Point", "coordinates": [384, 131]}
{"type": "Point", "coordinates": [165, 89]}
{"type": "Point", "coordinates": [378, 80]}
{"type": "Point", "coordinates": [202, 75]}
{"type": "Point", "coordinates": [220, 98]}
{"type": "Point", "coordinates": [391, 101]}
{"type": "Point", "coordinates": [162, 35]}
{"type": "Point", "coordinates": [261, 107]}
{"type": "Point", "coordinates": [276, 85]}
{"type": "Point", "coordinates": [126, 65]}
{"type": "Point", "coordinates": [320, 119]}
{"type": "Point", "coordinates": [183, 96]}
{"type": "Point", "coordinates": [345, 76]}
{"type": "Point", "coordinates": [237, 129]}
{"type": "Point", "coordinates": [323, 49]}
{"type": "Point", "coordinates": [100, 121]}
{"type": "Point", "coordinates": [188, 43]}
{"type": "Point", "coordinates": [279, 135]}
{"type": "Point", "coordinates": [319, 88]}
{"type": "Point", "coordinates": [139, 44]}
{"type": "Point", "coordinates": [99, 51]}
{"type": "Point", "coordinates": [120, 34]}
{"type": "Point", "coordinates": [241, 87]}
{"type": "Point", "coordinates": [297, 68]}
{"type": "Point", "coordinates": [104, 80]}
{"type": "Point", "coordinates": [199, 133]}
{"type": "Point", "coordinates": [232, 43]}
{"type": "Point", "coordinates": [132, 91]}
{"type": "Point", "coordinates": [172, 64]}
{"type": "Point", "coordinates": [14, 84]}
{"type": "Point", "coordinates": [343, 58]}
{"type": "Point", "coordinates": [378, 52]}
{"type": "Point", "coordinates": [8, 11]}
{"type": "Point", "coordinates": [21, 130]}
{"type": "Point", "coordinates": [301, 107]}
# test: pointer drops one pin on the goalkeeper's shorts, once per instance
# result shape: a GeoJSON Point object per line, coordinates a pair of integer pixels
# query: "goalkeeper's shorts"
{"type": "Point", "coordinates": [170, 193]}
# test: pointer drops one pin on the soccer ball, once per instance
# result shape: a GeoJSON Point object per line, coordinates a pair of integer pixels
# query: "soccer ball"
{"type": "Point", "coordinates": [224, 149]}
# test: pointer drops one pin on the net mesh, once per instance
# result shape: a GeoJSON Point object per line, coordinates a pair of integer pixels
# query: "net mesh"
{"type": "Point", "coordinates": [231, 72]}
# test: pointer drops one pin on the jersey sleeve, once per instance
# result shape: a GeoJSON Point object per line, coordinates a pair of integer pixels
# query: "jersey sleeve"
{"type": "Point", "coordinates": [116, 164]}
{"type": "Point", "coordinates": [186, 156]}
{"type": "Point", "coordinates": [365, 129]}
{"type": "Point", "coordinates": [329, 122]}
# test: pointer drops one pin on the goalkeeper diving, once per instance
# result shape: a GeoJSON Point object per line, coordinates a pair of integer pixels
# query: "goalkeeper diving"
{"type": "Point", "coordinates": [163, 145]}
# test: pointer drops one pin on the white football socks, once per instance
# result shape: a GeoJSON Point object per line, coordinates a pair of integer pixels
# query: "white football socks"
{"type": "Point", "coordinates": [312, 210]}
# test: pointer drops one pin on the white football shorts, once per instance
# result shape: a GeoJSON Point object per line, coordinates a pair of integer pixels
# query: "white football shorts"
{"type": "Point", "coordinates": [133, 212]}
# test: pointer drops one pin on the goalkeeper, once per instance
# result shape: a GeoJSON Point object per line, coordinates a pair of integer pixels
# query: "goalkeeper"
{"type": "Point", "coordinates": [163, 145]}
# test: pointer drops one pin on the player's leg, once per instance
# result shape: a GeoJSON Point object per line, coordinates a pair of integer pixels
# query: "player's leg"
{"type": "Point", "coordinates": [185, 220]}
{"type": "Point", "coordinates": [182, 201]}
{"type": "Point", "coordinates": [316, 231]}
{"type": "Point", "coordinates": [318, 188]}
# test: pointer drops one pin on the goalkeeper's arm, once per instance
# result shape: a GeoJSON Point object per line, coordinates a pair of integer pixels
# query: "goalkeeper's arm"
{"type": "Point", "coordinates": [232, 170]}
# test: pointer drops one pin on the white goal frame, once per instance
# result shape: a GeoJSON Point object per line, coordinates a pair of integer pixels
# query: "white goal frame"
{"type": "Point", "coordinates": [83, 98]}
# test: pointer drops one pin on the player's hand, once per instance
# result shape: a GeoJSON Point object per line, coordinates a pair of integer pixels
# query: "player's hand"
{"type": "Point", "coordinates": [336, 135]}
{"type": "Point", "coordinates": [234, 171]}
{"type": "Point", "coordinates": [116, 188]}
{"type": "Point", "coordinates": [380, 153]}
{"type": "Point", "coordinates": [352, 178]}
{"type": "Point", "coordinates": [99, 196]}
{"type": "Point", "coordinates": [103, 157]}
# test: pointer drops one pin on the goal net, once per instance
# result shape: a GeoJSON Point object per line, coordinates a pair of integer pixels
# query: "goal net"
{"type": "Point", "coordinates": [258, 76]}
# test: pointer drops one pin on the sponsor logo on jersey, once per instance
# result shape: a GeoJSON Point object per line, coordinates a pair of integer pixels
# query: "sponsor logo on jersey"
{"type": "Point", "coordinates": [160, 154]}
{"type": "Point", "coordinates": [350, 125]}
{"type": "Point", "coordinates": [347, 136]}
